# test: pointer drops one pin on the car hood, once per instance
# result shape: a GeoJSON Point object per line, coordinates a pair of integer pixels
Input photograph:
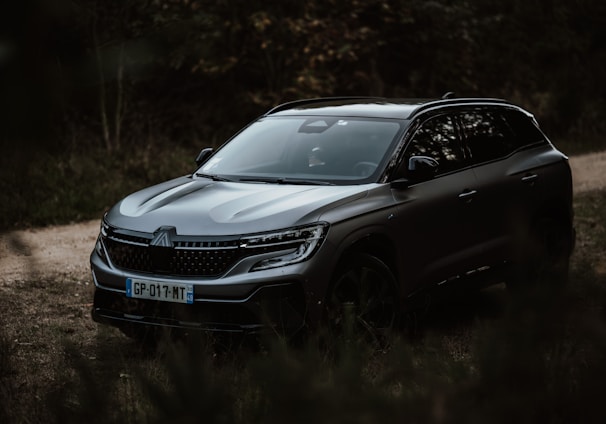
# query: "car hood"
{"type": "Point", "coordinates": [203, 207]}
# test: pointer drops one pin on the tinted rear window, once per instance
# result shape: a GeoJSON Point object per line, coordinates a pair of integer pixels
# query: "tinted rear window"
{"type": "Point", "coordinates": [495, 133]}
{"type": "Point", "coordinates": [487, 135]}
{"type": "Point", "coordinates": [524, 128]}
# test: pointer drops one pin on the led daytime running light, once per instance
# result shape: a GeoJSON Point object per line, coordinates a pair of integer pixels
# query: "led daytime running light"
{"type": "Point", "coordinates": [300, 244]}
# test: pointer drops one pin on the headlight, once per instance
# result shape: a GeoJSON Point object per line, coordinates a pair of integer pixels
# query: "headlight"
{"type": "Point", "coordinates": [291, 246]}
{"type": "Point", "coordinates": [104, 228]}
{"type": "Point", "coordinates": [99, 248]}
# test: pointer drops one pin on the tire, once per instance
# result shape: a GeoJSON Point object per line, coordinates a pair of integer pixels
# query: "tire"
{"type": "Point", "coordinates": [546, 256]}
{"type": "Point", "coordinates": [363, 299]}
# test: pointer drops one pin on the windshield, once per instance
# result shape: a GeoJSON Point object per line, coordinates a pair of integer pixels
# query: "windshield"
{"type": "Point", "coordinates": [306, 150]}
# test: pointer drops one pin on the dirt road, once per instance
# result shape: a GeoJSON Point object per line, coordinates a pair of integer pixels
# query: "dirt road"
{"type": "Point", "coordinates": [589, 172]}
{"type": "Point", "coordinates": [64, 250]}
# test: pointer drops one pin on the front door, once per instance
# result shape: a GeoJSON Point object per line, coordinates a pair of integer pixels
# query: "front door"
{"type": "Point", "coordinates": [436, 213]}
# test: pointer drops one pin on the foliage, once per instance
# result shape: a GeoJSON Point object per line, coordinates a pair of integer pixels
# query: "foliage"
{"type": "Point", "coordinates": [107, 82]}
{"type": "Point", "coordinates": [101, 97]}
{"type": "Point", "coordinates": [40, 188]}
{"type": "Point", "coordinates": [196, 70]}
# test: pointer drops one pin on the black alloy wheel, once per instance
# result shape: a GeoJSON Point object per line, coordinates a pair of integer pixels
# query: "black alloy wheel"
{"type": "Point", "coordinates": [363, 299]}
{"type": "Point", "coordinates": [547, 256]}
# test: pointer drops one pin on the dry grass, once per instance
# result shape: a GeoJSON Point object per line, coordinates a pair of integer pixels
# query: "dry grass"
{"type": "Point", "coordinates": [56, 365]}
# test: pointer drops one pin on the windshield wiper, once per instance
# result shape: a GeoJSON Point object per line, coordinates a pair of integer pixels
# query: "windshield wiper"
{"type": "Point", "coordinates": [212, 177]}
{"type": "Point", "coordinates": [281, 180]}
{"type": "Point", "coordinates": [302, 182]}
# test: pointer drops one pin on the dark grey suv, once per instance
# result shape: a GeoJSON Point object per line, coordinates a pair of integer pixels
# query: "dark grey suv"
{"type": "Point", "coordinates": [326, 205]}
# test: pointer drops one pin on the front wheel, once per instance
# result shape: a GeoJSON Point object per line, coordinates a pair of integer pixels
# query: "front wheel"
{"type": "Point", "coordinates": [363, 300]}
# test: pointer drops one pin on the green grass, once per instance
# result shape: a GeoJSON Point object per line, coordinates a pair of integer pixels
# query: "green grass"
{"type": "Point", "coordinates": [541, 362]}
{"type": "Point", "coordinates": [42, 189]}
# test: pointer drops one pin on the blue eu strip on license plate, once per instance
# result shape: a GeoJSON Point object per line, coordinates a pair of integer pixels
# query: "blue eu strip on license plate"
{"type": "Point", "coordinates": [160, 290]}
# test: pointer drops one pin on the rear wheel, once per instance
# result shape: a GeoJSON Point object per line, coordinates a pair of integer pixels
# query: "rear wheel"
{"type": "Point", "coordinates": [363, 300]}
{"type": "Point", "coordinates": [546, 256]}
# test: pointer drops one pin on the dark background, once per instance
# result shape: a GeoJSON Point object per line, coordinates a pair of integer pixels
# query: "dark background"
{"type": "Point", "coordinates": [100, 97]}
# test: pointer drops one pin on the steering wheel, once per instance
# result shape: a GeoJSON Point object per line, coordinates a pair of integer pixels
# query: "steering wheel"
{"type": "Point", "coordinates": [364, 168]}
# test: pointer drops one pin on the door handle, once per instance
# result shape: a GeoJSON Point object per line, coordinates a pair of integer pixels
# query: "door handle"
{"type": "Point", "coordinates": [530, 178]}
{"type": "Point", "coordinates": [467, 195]}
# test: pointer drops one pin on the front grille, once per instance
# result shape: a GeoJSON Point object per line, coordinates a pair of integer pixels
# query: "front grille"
{"type": "Point", "coordinates": [198, 259]}
{"type": "Point", "coordinates": [129, 256]}
{"type": "Point", "coordinates": [202, 262]}
{"type": "Point", "coordinates": [168, 253]}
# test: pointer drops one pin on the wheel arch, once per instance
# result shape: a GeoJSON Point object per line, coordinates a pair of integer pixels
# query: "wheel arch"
{"type": "Point", "coordinates": [556, 208]}
{"type": "Point", "coordinates": [560, 212]}
{"type": "Point", "coordinates": [378, 245]}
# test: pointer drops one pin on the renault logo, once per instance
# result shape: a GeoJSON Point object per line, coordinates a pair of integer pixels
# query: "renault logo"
{"type": "Point", "coordinates": [160, 249]}
{"type": "Point", "coordinates": [163, 237]}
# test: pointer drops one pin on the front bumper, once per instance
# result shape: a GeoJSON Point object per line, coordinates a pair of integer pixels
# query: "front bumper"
{"type": "Point", "coordinates": [266, 301]}
{"type": "Point", "coordinates": [277, 308]}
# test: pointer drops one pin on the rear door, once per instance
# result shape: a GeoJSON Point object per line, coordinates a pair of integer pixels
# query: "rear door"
{"type": "Point", "coordinates": [509, 172]}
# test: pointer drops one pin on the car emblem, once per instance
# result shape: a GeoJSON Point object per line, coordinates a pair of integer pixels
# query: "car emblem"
{"type": "Point", "coordinates": [162, 237]}
{"type": "Point", "coordinates": [160, 249]}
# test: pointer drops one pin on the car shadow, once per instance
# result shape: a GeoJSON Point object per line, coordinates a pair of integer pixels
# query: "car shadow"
{"type": "Point", "coordinates": [444, 312]}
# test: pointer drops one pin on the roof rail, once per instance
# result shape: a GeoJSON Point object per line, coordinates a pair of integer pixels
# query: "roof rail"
{"type": "Point", "coordinates": [453, 101]}
{"type": "Point", "coordinates": [449, 95]}
{"type": "Point", "coordinates": [302, 102]}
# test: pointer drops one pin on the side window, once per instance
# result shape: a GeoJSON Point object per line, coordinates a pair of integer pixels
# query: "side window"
{"type": "Point", "coordinates": [526, 132]}
{"type": "Point", "coordinates": [487, 135]}
{"type": "Point", "coordinates": [437, 138]}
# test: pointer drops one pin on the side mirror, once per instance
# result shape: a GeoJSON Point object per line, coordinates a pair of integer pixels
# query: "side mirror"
{"type": "Point", "coordinates": [422, 167]}
{"type": "Point", "coordinates": [203, 155]}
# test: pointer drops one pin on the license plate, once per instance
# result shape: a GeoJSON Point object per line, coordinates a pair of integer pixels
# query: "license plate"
{"type": "Point", "coordinates": [156, 290]}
